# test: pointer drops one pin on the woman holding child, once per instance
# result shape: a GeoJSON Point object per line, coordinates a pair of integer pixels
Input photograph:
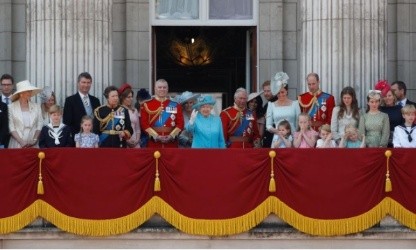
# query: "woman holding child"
{"type": "Point", "coordinates": [345, 114]}
{"type": "Point", "coordinates": [283, 108]}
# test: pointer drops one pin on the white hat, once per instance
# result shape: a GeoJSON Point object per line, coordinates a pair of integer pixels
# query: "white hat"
{"type": "Point", "coordinates": [22, 87]}
{"type": "Point", "coordinates": [253, 95]}
{"type": "Point", "coordinates": [278, 82]}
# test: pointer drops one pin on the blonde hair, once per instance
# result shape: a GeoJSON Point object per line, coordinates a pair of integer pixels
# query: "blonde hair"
{"type": "Point", "coordinates": [304, 115]}
{"type": "Point", "coordinates": [408, 108]}
{"type": "Point", "coordinates": [84, 119]}
{"type": "Point", "coordinates": [325, 127]}
{"type": "Point", "coordinates": [351, 128]}
{"type": "Point", "coordinates": [54, 109]}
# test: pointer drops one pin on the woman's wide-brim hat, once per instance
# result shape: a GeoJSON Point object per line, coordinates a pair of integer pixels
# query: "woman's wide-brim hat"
{"type": "Point", "coordinates": [278, 82]}
{"type": "Point", "coordinates": [186, 96]}
{"type": "Point", "coordinates": [253, 95]}
{"type": "Point", "coordinates": [203, 100]}
{"type": "Point", "coordinates": [24, 86]}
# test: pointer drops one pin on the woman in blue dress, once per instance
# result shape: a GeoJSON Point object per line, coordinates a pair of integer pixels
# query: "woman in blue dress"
{"type": "Point", "coordinates": [205, 127]}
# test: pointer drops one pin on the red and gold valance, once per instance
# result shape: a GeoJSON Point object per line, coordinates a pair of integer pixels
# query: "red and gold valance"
{"type": "Point", "coordinates": [102, 192]}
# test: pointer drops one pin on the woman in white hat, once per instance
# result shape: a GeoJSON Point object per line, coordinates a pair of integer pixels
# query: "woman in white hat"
{"type": "Point", "coordinates": [283, 108]}
{"type": "Point", "coordinates": [206, 128]}
{"type": "Point", "coordinates": [25, 117]}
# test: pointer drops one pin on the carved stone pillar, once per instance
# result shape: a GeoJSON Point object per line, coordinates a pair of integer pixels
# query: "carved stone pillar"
{"type": "Point", "coordinates": [345, 42]}
{"type": "Point", "coordinates": [65, 38]}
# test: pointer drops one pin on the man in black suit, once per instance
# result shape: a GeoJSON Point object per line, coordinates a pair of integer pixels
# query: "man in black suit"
{"type": "Point", "coordinates": [4, 126]}
{"type": "Point", "coordinates": [399, 90]}
{"type": "Point", "coordinates": [267, 137]}
{"type": "Point", "coordinates": [7, 84]}
{"type": "Point", "coordinates": [80, 104]}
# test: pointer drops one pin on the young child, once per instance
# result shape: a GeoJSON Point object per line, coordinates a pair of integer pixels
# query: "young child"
{"type": "Point", "coordinates": [404, 136]}
{"type": "Point", "coordinates": [86, 138]}
{"type": "Point", "coordinates": [55, 134]}
{"type": "Point", "coordinates": [326, 137]}
{"type": "Point", "coordinates": [305, 137]}
{"type": "Point", "coordinates": [351, 138]}
{"type": "Point", "coordinates": [284, 137]}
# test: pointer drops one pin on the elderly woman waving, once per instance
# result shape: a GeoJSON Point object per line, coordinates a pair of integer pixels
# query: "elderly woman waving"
{"type": "Point", "coordinates": [205, 127]}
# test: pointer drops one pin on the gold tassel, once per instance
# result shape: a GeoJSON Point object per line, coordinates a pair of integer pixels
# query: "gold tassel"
{"type": "Point", "coordinates": [272, 183]}
{"type": "Point", "coordinates": [157, 187]}
{"type": "Point", "coordinates": [41, 156]}
{"type": "Point", "coordinates": [388, 187]}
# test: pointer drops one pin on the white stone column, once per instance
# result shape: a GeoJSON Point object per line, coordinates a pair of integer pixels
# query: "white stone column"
{"type": "Point", "coordinates": [344, 41]}
{"type": "Point", "coordinates": [65, 38]}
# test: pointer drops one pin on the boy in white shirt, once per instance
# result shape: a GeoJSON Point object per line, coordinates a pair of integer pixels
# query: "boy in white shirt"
{"type": "Point", "coordinates": [404, 136]}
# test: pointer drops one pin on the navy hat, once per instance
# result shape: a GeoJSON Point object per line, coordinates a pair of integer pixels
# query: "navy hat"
{"type": "Point", "coordinates": [143, 94]}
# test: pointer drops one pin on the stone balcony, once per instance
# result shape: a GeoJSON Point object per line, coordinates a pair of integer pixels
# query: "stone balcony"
{"type": "Point", "coordinates": [157, 233]}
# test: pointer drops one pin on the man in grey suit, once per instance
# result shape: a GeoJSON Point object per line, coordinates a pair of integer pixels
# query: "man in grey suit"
{"type": "Point", "coordinates": [80, 104]}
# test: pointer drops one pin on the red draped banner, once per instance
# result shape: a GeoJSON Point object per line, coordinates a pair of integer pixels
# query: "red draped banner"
{"type": "Point", "coordinates": [102, 192]}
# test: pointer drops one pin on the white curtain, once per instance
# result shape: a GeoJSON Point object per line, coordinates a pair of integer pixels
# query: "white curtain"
{"type": "Point", "coordinates": [177, 9]}
{"type": "Point", "coordinates": [230, 9]}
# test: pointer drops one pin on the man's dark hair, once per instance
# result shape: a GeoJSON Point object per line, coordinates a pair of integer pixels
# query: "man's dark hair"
{"type": "Point", "coordinates": [401, 85]}
{"type": "Point", "coordinates": [7, 76]}
{"type": "Point", "coordinates": [84, 75]}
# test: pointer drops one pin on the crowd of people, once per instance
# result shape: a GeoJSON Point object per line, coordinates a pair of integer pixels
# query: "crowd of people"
{"type": "Point", "coordinates": [188, 120]}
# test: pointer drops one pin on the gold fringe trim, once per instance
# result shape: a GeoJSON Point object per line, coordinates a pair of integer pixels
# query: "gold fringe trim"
{"type": "Point", "coordinates": [125, 224]}
{"type": "Point", "coordinates": [272, 182]}
{"type": "Point", "coordinates": [157, 187]}
{"type": "Point", "coordinates": [388, 187]}
{"type": "Point", "coordinates": [40, 190]}
{"type": "Point", "coordinates": [401, 214]}
{"type": "Point", "coordinates": [107, 227]}
{"type": "Point", "coordinates": [321, 227]}
{"type": "Point", "coordinates": [215, 227]}
{"type": "Point", "coordinates": [18, 221]}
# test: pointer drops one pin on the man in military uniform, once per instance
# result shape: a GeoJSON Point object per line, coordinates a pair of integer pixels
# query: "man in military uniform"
{"type": "Point", "coordinates": [316, 103]}
{"type": "Point", "coordinates": [240, 124]}
{"type": "Point", "coordinates": [161, 118]}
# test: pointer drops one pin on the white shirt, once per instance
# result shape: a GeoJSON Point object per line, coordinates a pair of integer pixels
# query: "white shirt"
{"type": "Point", "coordinates": [401, 138]}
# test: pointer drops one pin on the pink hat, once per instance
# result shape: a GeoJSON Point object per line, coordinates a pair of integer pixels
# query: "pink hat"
{"type": "Point", "coordinates": [382, 86]}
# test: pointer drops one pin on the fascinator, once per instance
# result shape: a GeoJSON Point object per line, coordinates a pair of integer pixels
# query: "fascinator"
{"type": "Point", "coordinates": [278, 82]}
{"type": "Point", "coordinates": [374, 94]}
{"type": "Point", "coordinates": [143, 94]}
{"type": "Point", "coordinates": [382, 86]}
{"type": "Point", "coordinates": [46, 93]}
{"type": "Point", "coordinates": [123, 88]}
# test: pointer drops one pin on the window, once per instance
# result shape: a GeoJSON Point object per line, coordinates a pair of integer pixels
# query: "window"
{"type": "Point", "coordinates": [204, 12]}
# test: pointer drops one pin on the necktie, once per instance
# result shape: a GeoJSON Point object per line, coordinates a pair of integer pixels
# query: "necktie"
{"type": "Point", "coordinates": [87, 105]}
{"type": "Point", "coordinates": [7, 100]}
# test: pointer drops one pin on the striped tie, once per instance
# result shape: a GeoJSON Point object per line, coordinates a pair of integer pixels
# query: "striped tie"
{"type": "Point", "coordinates": [7, 100]}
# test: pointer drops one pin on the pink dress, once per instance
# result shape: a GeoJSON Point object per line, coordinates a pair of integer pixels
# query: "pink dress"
{"type": "Point", "coordinates": [309, 133]}
{"type": "Point", "coordinates": [135, 124]}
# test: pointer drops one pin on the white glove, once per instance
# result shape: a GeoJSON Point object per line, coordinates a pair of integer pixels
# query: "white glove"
{"type": "Point", "coordinates": [193, 117]}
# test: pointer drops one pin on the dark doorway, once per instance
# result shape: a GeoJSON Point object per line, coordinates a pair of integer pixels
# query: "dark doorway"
{"type": "Point", "coordinates": [202, 59]}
